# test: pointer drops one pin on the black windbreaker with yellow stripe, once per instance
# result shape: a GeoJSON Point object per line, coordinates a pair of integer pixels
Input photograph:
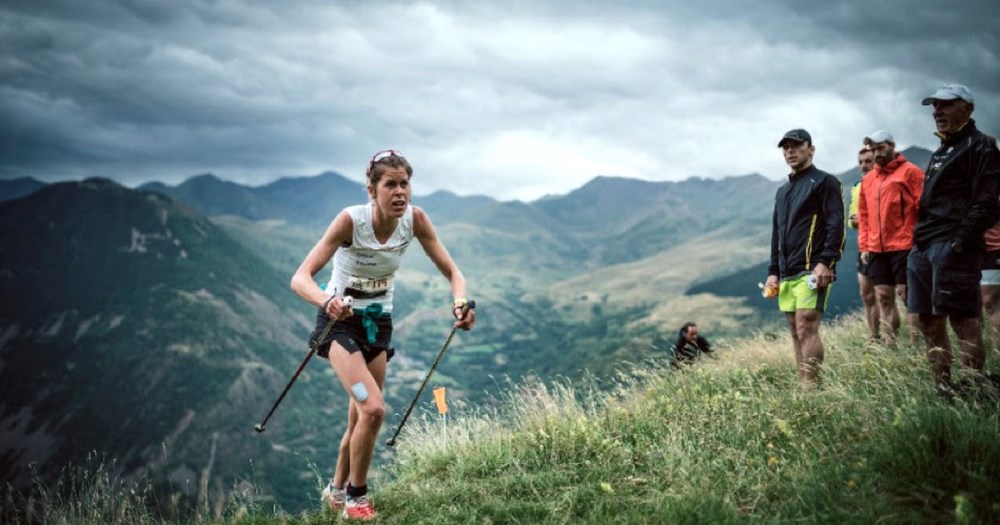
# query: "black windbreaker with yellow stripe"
{"type": "Point", "coordinates": [808, 226]}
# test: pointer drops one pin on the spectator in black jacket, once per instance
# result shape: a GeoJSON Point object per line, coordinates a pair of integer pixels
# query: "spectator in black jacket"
{"type": "Point", "coordinates": [958, 204]}
{"type": "Point", "coordinates": [807, 239]}
{"type": "Point", "coordinates": [689, 345]}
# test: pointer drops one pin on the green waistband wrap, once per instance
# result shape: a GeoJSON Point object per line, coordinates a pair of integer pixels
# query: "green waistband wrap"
{"type": "Point", "coordinates": [368, 316]}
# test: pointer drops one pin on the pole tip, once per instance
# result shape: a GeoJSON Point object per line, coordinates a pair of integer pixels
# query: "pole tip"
{"type": "Point", "coordinates": [259, 428]}
{"type": "Point", "coordinates": [391, 442]}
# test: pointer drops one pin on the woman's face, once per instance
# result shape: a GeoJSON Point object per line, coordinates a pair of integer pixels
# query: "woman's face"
{"type": "Point", "coordinates": [392, 192]}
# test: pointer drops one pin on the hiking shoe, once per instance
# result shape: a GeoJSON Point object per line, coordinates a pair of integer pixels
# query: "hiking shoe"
{"type": "Point", "coordinates": [359, 508]}
{"type": "Point", "coordinates": [333, 497]}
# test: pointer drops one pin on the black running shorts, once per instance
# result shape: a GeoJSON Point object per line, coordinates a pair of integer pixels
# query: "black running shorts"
{"type": "Point", "coordinates": [350, 334]}
{"type": "Point", "coordinates": [941, 282]}
{"type": "Point", "coordinates": [887, 268]}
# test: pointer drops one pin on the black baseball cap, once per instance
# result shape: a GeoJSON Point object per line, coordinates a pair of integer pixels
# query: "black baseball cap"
{"type": "Point", "coordinates": [798, 135]}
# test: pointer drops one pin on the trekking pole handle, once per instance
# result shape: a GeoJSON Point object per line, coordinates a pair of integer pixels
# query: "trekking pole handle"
{"type": "Point", "coordinates": [465, 305]}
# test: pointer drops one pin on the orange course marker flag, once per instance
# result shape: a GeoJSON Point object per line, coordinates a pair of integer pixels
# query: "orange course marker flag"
{"type": "Point", "coordinates": [439, 398]}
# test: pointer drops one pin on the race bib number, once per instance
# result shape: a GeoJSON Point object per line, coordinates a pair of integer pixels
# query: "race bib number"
{"type": "Point", "coordinates": [367, 287]}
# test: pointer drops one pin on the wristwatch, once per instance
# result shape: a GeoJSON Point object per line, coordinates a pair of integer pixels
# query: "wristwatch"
{"type": "Point", "coordinates": [462, 302]}
{"type": "Point", "coordinates": [956, 247]}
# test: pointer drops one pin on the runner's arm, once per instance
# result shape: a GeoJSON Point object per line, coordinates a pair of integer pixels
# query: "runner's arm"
{"type": "Point", "coordinates": [424, 231]}
{"type": "Point", "coordinates": [340, 231]}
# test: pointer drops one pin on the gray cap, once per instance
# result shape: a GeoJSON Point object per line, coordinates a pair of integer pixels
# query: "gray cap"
{"type": "Point", "coordinates": [878, 137]}
{"type": "Point", "coordinates": [950, 92]}
{"type": "Point", "coordinates": [797, 135]}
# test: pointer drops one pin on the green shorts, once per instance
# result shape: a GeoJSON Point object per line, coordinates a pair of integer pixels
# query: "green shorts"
{"type": "Point", "coordinates": [795, 294]}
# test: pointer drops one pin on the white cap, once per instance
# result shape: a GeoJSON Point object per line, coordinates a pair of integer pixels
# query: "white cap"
{"type": "Point", "coordinates": [878, 137]}
{"type": "Point", "coordinates": [950, 92]}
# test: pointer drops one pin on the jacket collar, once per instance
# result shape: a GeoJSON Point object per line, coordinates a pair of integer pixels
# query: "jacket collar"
{"type": "Point", "coordinates": [966, 129]}
{"type": "Point", "coordinates": [798, 175]}
{"type": "Point", "coordinates": [892, 166]}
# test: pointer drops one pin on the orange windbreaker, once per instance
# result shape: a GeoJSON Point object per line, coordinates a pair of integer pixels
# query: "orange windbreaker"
{"type": "Point", "coordinates": [887, 210]}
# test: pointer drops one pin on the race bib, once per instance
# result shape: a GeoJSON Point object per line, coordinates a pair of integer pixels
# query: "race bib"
{"type": "Point", "coordinates": [368, 287]}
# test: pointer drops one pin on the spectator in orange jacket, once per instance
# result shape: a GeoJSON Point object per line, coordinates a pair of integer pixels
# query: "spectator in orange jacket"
{"type": "Point", "coordinates": [887, 214]}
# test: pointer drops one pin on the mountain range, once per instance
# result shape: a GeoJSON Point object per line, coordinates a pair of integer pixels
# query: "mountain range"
{"type": "Point", "coordinates": [156, 325]}
{"type": "Point", "coordinates": [134, 326]}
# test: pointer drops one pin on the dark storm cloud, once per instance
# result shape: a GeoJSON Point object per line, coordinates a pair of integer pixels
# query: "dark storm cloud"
{"type": "Point", "coordinates": [143, 88]}
{"type": "Point", "coordinates": [253, 90]}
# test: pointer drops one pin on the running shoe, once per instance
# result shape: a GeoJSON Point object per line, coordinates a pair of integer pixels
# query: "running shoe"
{"type": "Point", "coordinates": [359, 508]}
{"type": "Point", "coordinates": [334, 497]}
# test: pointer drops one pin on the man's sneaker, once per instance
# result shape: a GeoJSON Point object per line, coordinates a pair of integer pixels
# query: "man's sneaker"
{"type": "Point", "coordinates": [359, 508]}
{"type": "Point", "coordinates": [333, 497]}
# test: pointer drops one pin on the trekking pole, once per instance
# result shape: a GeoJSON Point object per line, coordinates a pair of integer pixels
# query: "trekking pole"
{"type": "Point", "coordinates": [392, 441]}
{"type": "Point", "coordinates": [260, 427]}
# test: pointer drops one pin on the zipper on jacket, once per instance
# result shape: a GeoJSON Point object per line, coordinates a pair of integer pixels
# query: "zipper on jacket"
{"type": "Point", "coordinates": [809, 245]}
{"type": "Point", "coordinates": [878, 213]}
{"type": "Point", "coordinates": [902, 208]}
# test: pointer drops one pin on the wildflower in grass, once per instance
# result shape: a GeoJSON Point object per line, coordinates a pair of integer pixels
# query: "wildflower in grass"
{"type": "Point", "coordinates": [852, 483]}
{"type": "Point", "coordinates": [772, 461]}
{"type": "Point", "coordinates": [784, 428]}
{"type": "Point", "coordinates": [963, 509]}
{"type": "Point", "coordinates": [606, 487]}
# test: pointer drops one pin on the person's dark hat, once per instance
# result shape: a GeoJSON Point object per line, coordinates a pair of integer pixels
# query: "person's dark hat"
{"type": "Point", "coordinates": [797, 135]}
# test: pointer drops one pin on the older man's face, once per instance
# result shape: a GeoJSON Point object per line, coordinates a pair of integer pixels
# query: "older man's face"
{"type": "Point", "coordinates": [950, 115]}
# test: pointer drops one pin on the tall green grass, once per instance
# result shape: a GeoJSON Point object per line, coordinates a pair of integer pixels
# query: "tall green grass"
{"type": "Point", "coordinates": [730, 440]}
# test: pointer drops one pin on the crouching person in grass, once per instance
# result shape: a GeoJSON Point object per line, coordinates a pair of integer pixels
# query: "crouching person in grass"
{"type": "Point", "coordinates": [366, 243]}
{"type": "Point", "coordinates": [807, 238]}
{"type": "Point", "coordinates": [689, 345]}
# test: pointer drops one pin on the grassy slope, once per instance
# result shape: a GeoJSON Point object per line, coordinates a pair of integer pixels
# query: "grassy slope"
{"type": "Point", "coordinates": [732, 440]}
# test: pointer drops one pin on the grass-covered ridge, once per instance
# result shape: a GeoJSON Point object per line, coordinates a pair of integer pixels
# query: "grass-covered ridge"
{"type": "Point", "coordinates": [734, 440]}
{"type": "Point", "coordinates": [731, 440]}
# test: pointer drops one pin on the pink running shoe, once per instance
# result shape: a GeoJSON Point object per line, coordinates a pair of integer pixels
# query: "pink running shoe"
{"type": "Point", "coordinates": [334, 497]}
{"type": "Point", "coordinates": [359, 508]}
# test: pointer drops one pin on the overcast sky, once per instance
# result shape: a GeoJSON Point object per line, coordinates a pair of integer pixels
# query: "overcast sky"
{"type": "Point", "coordinates": [511, 99]}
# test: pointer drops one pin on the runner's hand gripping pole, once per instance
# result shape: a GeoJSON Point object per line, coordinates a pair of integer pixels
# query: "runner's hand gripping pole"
{"type": "Point", "coordinates": [470, 305]}
{"type": "Point", "coordinates": [260, 427]}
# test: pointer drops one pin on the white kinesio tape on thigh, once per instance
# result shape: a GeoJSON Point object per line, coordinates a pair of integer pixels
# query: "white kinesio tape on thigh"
{"type": "Point", "coordinates": [359, 391]}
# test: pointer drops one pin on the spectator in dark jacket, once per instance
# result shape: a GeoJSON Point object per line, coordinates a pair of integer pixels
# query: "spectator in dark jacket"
{"type": "Point", "coordinates": [958, 204]}
{"type": "Point", "coordinates": [807, 238]}
{"type": "Point", "coordinates": [689, 344]}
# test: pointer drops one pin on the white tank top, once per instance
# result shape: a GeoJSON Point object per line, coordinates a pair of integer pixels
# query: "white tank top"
{"type": "Point", "coordinates": [366, 268]}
